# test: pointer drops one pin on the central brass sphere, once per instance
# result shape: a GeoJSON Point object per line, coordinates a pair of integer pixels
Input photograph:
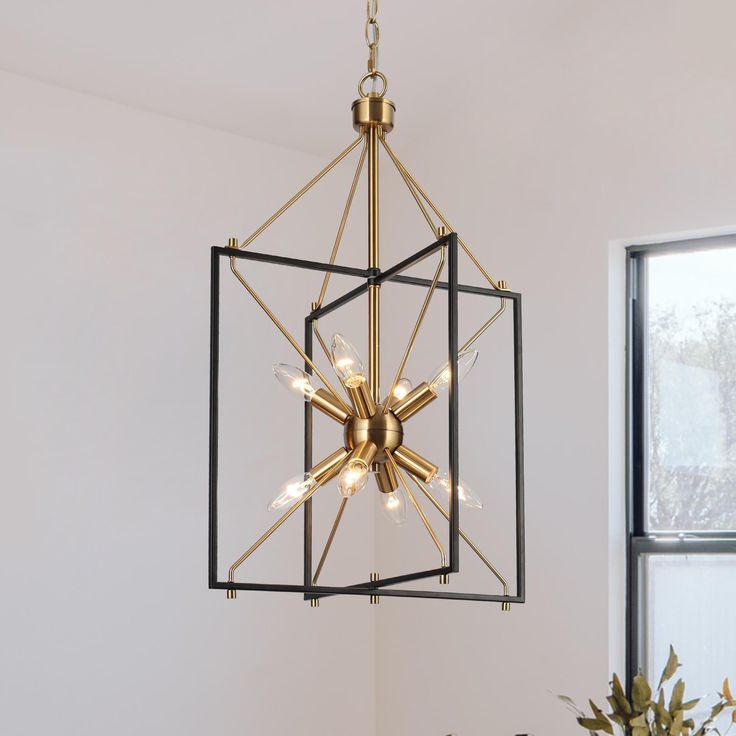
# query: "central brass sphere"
{"type": "Point", "coordinates": [384, 430]}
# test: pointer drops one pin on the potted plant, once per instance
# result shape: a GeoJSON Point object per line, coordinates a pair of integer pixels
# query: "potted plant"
{"type": "Point", "coordinates": [646, 715]}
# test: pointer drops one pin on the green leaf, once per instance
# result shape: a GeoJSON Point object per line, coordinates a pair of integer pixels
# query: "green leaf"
{"type": "Point", "coordinates": [641, 693]}
{"type": "Point", "coordinates": [620, 695]}
{"type": "Point", "coordinates": [592, 724]}
{"type": "Point", "coordinates": [678, 691]}
{"type": "Point", "coordinates": [600, 716]}
{"type": "Point", "coordinates": [670, 668]}
{"type": "Point", "coordinates": [570, 703]}
{"type": "Point", "coordinates": [676, 728]}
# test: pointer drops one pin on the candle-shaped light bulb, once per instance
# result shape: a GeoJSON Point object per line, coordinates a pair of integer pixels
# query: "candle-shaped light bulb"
{"type": "Point", "coordinates": [353, 478]}
{"type": "Point", "coordinates": [465, 494]}
{"type": "Point", "coordinates": [394, 507]}
{"type": "Point", "coordinates": [402, 389]}
{"type": "Point", "coordinates": [293, 490]}
{"type": "Point", "coordinates": [465, 362]}
{"type": "Point", "coordinates": [346, 361]}
{"type": "Point", "coordinates": [294, 379]}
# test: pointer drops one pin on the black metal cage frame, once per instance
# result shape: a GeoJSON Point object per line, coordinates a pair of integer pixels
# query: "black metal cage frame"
{"type": "Point", "coordinates": [376, 276]}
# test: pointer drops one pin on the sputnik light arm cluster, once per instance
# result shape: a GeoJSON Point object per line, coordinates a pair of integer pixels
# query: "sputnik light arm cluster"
{"type": "Point", "coordinates": [373, 425]}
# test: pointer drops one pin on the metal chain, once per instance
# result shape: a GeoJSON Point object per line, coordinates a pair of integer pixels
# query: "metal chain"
{"type": "Point", "coordinates": [372, 39]}
{"type": "Point", "coordinates": [372, 34]}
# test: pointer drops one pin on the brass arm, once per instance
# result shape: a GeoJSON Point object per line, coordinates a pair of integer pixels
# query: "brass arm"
{"type": "Point", "coordinates": [422, 515]}
{"type": "Point", "coordinates": [287, 335]}
{"type": "Point", "coordinates": [343, 221]}
{"type": "Point", "coordinates": [415, 331]}
{"type": "Point", "coordinates": [417, 191]}
{"type": "Point", "coordinates": [501, 579]}
{"type": "Point", "coordinates": [334, 470]}
{"type": "Point", "coordinates": [300, 193]}
{"type": "Point", "coordinates": [330, 539]}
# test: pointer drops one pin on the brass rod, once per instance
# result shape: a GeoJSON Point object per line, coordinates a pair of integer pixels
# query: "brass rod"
{"type": "Point", "coordinates": [341, 228]}
{"type": "Point", "coordinates": [437, 212]}
{"type": "Point", "coordinates": [418, 508]}
{"type": "Point", "coordinates": [287, 335]}
{"type": "Point", "coordinates": [493, 318]}
{"type": "Point", "coordinates": [464, 536]}
{"type": "Point", "coordinates": [415, 331]}
{"type": "Point", "coordinates": [374, 290]}
{"type": "Point", "coordinates": [275, 527]}
{"type": "Point", "coordinates": [330, 539]}
{"type": "Point", "coordinates": [417, 198]}
{"type": "Point", "coordinates": [300, 193]}
{"type": "Point", "coordinates": [321, 341]}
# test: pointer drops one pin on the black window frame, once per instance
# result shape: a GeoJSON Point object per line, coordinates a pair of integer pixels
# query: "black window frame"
{"type": "Point", "coordinates": [640, 541]}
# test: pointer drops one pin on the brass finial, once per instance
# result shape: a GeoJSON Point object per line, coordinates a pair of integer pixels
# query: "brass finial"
{"type": "Point", "coordinates": [375, 600]}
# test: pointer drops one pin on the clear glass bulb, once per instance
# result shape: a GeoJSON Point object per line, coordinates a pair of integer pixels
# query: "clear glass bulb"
{"type": "Point", "coordinates": [402, 389]}
{"type": "Point", "coordinates": [294, 379]}
{"type": "Point", "coordinates": [465, 494]}
{"type": "Point", "coordinates": [346, 361]}
{"type": "Point", "coordinates": [293, 490]}
{"type": "Point", "coordinates": [465, 363]}
{"type": "Point", "coordinates": [352, 479]}
{"type": "Point", "coordinates": [394, 507]}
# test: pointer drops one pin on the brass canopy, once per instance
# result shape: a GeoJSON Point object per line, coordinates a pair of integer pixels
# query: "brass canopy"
{"type": "Point", "coordinates": [383, 430]}
{"type": "Point", "coordinates": [373, 110]}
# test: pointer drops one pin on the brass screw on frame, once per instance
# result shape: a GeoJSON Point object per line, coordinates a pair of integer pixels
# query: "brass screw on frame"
{"type": "Point", "coordinates": [314, 603]}
{"type": "Point", "coordinates": [375, 599]}
{"type": "Point", "coordinates": [232, 242]}
{"type": "Point", "coordinates": [232, 594]}
{"type": "Point", "coordinates": [444, 579]}
{"type": "Point", "coordinates": [505, 606]}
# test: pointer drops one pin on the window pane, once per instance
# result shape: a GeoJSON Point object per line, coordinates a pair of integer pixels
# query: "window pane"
{"type": "Point", "coordinates": [691, 381]}
{"type": "Point", "coordinates": [689, 603]}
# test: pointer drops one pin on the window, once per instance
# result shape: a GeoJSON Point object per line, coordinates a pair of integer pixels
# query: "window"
{"type": "Point", "coordinates": [682, 458]}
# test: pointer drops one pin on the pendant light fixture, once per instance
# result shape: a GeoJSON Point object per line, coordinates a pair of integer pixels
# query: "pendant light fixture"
{"type": "Point", "coordinates": [375, 452]}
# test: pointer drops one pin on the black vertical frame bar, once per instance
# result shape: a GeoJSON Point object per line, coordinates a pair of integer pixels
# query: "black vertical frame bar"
{"type": "Point", "coordinates": [308, 347]}
{"type": "Point", "coordinates": [519, 453]}
{"type": "Point", "coordinates": [214, 377]}
{"type": "Point", "coordinates": [454, 561]}
{"type": "Point", "coordinates": [636, 449]}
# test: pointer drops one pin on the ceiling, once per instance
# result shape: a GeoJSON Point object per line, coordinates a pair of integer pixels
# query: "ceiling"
{"type": "Point", "coordinates": [286, 71]}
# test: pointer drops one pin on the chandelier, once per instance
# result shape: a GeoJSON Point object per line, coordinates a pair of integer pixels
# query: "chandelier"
{"type": "Point", "coordinates": [374, 453]}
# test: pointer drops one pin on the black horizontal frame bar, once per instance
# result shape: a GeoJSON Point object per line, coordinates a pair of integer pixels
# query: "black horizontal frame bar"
{"type": "Point", "coordinates": [418, 257]}
{"type": "Point", "coordinates": [694, 546]}
{"type": "Point", "coordinates": [323, 590]}
{"type": "Point", "coordinates": [396, 579]}
{"type": "Point", "coordinates": [688, 245]}
{"type": "Point", "coordinates": [248, 255]}
{"type": "Point", "coordinates": [339, 302]}
{"type": "Point", "coordinates": [465, 288]}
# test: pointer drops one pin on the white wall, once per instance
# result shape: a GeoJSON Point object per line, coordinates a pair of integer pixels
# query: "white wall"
{"type": "Point", "coordinates": [106, 218]}
{"type": "Point", "coordinates": [618, 123]}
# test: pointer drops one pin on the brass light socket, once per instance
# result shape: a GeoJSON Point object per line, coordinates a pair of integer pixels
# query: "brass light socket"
{"type": "Point", "coordinates": [386, 478]}
{"type": "Point", "coordinates": [327, 404]}
{"type": "Point", "coordinates": [330, 466]}
{"type": "Point", "coordinates": [360, 395]}
{"type": "Point", "coordinates": [364, 453]}
{"type": "Point", "coordinates": [415, 400]}
{"type": "Point", "coordinates": [415, 464]}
